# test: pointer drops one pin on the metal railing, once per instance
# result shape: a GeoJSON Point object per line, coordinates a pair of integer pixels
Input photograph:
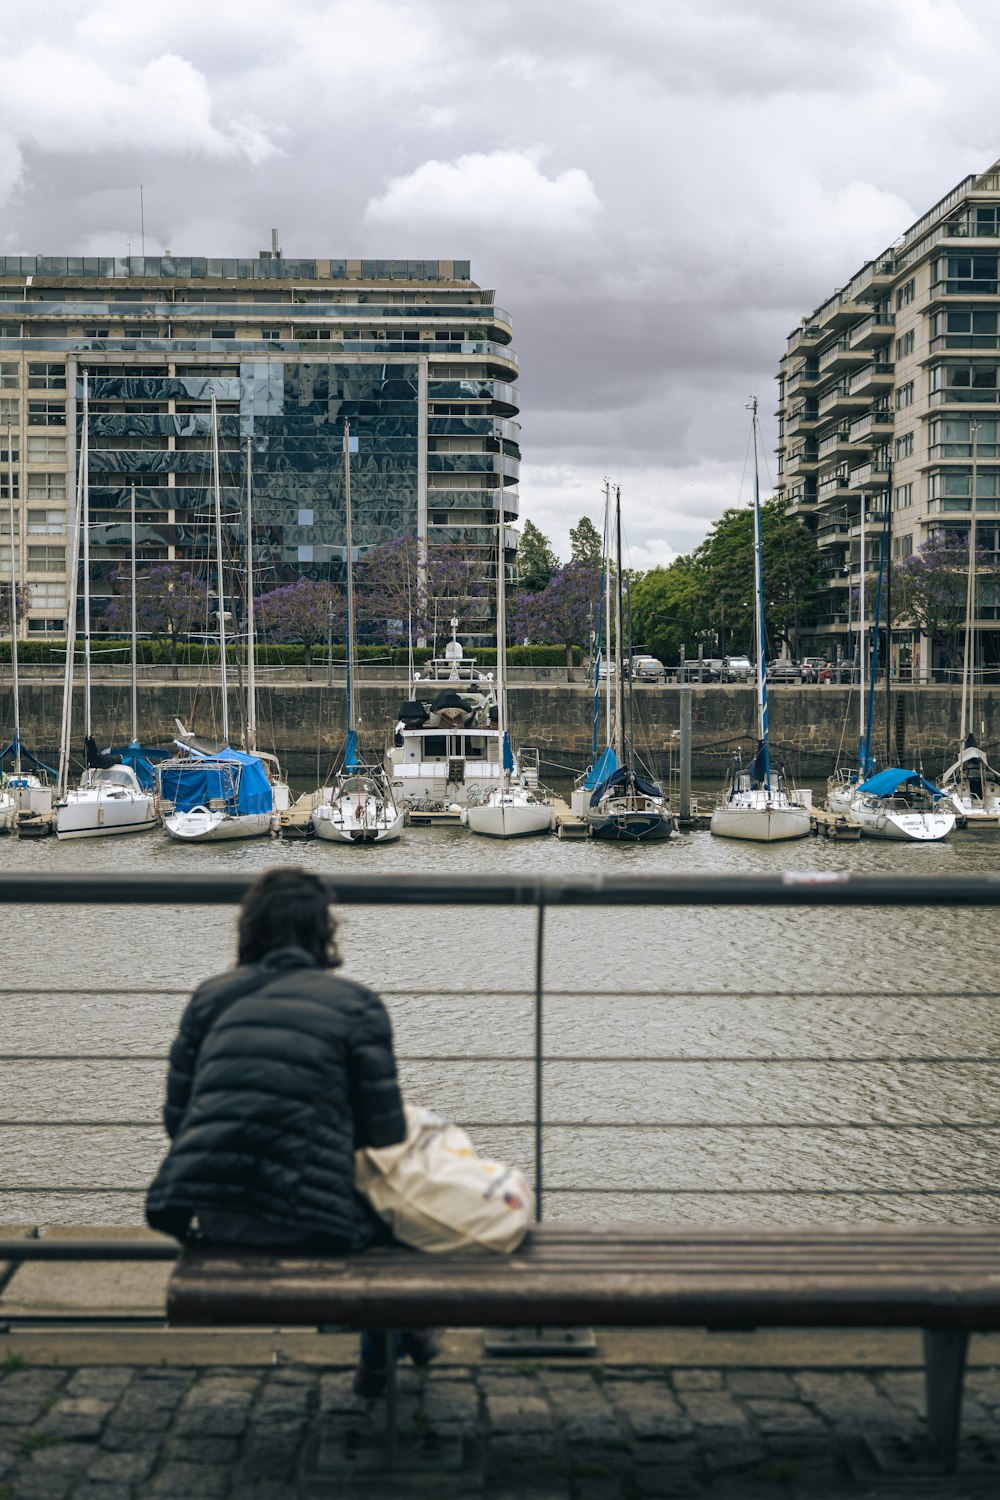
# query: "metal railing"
{"type": "Point", "coordinates": [539, 1125]}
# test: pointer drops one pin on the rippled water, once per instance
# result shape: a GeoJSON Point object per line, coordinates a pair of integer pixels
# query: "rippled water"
{"type": "Point", "coordinates": [757, 1043]}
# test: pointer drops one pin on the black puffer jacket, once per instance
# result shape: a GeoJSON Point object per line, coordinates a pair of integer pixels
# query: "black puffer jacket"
{"type": "Point", "coordinates": [280, 1070]}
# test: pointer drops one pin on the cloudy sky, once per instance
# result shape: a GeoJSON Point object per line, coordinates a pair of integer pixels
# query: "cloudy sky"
{"type": "Point", "coordinates": [658, 189]}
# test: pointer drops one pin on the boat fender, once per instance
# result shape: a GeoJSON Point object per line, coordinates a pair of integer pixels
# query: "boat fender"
{"type": "Point", "coordinates": [456, 807]}
{"type": "Point", "coordinates": [463, 817]}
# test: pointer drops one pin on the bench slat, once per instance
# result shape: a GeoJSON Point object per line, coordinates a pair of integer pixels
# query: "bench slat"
{"type": "Point", "coordinates": [946, 1276]}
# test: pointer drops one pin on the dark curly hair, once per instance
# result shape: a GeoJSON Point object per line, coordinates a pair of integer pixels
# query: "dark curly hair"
{"type": "Point", "coordinates": [284, 909]}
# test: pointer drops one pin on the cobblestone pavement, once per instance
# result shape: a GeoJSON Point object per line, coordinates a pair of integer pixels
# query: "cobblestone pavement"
{"type": "Point", "coordinates": [594, 1432]}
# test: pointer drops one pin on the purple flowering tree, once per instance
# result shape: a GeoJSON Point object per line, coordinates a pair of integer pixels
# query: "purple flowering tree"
{"type": "Point", "coordinates": [930, 586]}
{"type": "Point", "coordinates": [564, 613]}
{"type": "Point", "coordinates": [391, 590]}
{"type": "Point", "coordinates": [306, 611]}
{"type": "Point", "coordinates": [170, 603]}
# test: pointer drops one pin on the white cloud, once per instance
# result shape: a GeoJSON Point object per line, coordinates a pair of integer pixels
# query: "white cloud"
{"type": "Point", "coordinates": [505, 189]}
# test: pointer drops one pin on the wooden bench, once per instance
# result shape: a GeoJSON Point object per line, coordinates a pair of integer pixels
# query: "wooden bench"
{"type": "Point", "coordinates": [943, 1279]}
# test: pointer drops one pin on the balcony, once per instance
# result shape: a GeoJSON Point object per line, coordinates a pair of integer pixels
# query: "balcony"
{"type": "Point", "coordinates": [835, 487]}
{"type": "Point", "coordinates": [833, 533]}
{"type": "Point", "coordinates": [869, 476]}
{"type": "Point", "coordinates": [841, 401]}
{"type": "Point", "coordinates": [874, 426]}
{"type": "Point", "coordinates": [803, 419]}
{"type": "Point", "coordinates": [838, 444]}
{"type": "Point", "coordinates": [801, 462]}
{"type": "Point", "coordinates": [841, 356]}
{"type": "Point", "coordinates": [874, 281]}
{"type": "Point", "coordinates": [874, 331]}
{"type": "Point", "coordinates": [803, 380]}
{"type": "Point", "coordinates": [838, 312]}
{"type": "Point", "coordinates": [872, 380]}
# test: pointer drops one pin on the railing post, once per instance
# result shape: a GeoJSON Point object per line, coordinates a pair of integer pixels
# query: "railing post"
{"type": "Point", "coordinates": [539, 1116]}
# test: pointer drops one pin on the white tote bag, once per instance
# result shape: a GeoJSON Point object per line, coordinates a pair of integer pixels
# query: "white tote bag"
{"type": "Point", "coordinates": [435, 1193]}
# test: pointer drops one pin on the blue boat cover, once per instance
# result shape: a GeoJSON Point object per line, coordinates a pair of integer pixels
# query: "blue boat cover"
{"type": "Point", "coordinates": [884, 783]}
{"type": "Point", "coordinates": [624, 777]}
{"type": "Point", "coordinates": [237, 779]}
{"type": "Point", "coordinates": [604, 766]}
{"type": "Point", "coordinates": [142, 759]}
{"type": "Point", "coordinates": [351, 762]}
{"type": "Point", "coordinates": [508, 754]}
{"type": "Point", "coordinates": [10, 753]}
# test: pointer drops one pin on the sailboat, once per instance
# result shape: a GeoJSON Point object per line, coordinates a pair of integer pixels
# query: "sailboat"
{"type": "Point", "coordinates": [360, 807]}
{"type": "Point", "coordinates": [624, 805]}
{"type": "Point", "coordinates": [972, 785]}
{"type": "Point", "coordinates": [755, 803]}
{"type": "Point", "coordinates": [512, 809]}
{"type": "Point", "coordinates": [108, 797]}
{"type": "Point", "coordinates": [895, 803]}
{"type": "Point", "coordinates": [214, 793]}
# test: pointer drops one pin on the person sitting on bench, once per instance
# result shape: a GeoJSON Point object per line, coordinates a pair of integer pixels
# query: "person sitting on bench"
{"type": "Point", "coordinates": [279, 1072]}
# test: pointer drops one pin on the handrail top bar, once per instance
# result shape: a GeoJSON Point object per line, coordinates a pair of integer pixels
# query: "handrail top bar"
{"type": "Point", "coordinates": [787, 889]}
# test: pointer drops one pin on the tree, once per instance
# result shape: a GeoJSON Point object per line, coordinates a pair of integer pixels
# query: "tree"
{"type": "Point", "coordinates": [170, 603]}
{"type": "Point", "coordinates": [392, 588]}
{"type": "Point", "coordinates": [585, 543]}
{"type": "Point", "coordinates": [791, 574]}
{"type": "Point", "coordinates": [23, 601]}
{"type": "Point", "coordinates": [307, 610]}
{"type": "Point", "coordinates": [930, 590]}
{"type": "Point", "coordinates": [671, 608]}
{"type": "Point", "coordinates": [536, 560]}
{"type": "Point", "coordinates": [564, 613]}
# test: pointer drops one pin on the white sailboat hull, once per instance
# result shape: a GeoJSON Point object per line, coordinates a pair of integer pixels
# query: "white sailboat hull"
{"type": "Point", "coordinates": [204, 825]}
{"type": "Point", "coordinates": [93, 812]}
{"type": "Point", "coordinates": [760, 819]}
{"type": "Point", "coordinates": [346, 821]}
{"type": "Point", "coordinates": [8, 812]}
{"type": "Point", "coordinates": [509, 815]}
{"type": "Point", "coordinates": [883, 821]}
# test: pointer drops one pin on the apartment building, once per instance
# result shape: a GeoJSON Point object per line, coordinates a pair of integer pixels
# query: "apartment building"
{"type": "Point", "coordinates": [414, 354]}
{"type": "Point", "coordinates": [901, 366]}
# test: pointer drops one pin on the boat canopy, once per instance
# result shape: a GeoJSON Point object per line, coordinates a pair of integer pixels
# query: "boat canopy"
{"type": "Point", "coordinates": [970, 756]}
{"type": "Point", "coordinates": [625, 777]}
{"type": "Point", "coordinates": [142, 759]}
{"type": "Point", "coordinates": [604, 766]}
{"type": "Point", "coordinates": [234, 778]}
{"type": "Point", "coordinates": [884, 783]}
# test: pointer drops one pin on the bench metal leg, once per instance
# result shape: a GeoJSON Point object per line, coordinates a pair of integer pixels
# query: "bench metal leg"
{"type": "Point", "coordinates": [391, 1412]}
{"type": "Point", "coordinates": [945, 1351]}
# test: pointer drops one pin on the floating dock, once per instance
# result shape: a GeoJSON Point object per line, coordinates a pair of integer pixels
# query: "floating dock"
{"type": "Point", "coordinates": [567, 824]}
{"type": "Point", "coordinates": [834, 825]}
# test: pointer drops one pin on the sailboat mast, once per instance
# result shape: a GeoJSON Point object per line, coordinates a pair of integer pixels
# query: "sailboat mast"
{"type": "Point", "coordinates": [14, 573]}
{"type": "Point", "coordinates": [350, 759]}
{"type": "Point", "coordinates": [607, 612]}
{"type": "Point", "coordinates": [862, 747]}
{"type": "Point", "coordinates": [619, 666]}
{"type": "Point", "coordinates": [501, 637]}
{"type": "Point", "coordinates": [220, 581]}
{"type": "Point", "coordinates": [969, 656]}
{"type": "Point", "coordinates": [66, 727]}
{"type": "Point", "coordinates": [87, 718]}
{"type": "Point", "coordinates": [132, 625]}
{"type": "Point", "coordinates": [250, 623]}
{"type": "Point", "coordinates": [758, 598]}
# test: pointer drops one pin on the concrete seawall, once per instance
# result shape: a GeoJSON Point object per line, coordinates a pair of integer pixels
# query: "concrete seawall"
{"type": "Point", "coordinates": [304, 722]}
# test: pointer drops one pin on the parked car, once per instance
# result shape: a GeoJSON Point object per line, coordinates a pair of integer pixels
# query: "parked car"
{"type": "Point", "coordinates": [606, 669]}
{"type": "Point", "coordinates": [711, 669]}
{"type": "Point", "coordinates": [811, 667]}
{"type": "Point", "coordinates": [737, 669]}
{"type": "Point", "coordinates": [647, 669]}
{"type": "Point", "coordinates": [786, 670]}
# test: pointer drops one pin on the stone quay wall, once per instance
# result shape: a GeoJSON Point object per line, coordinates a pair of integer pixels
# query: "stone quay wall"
{"type": "Point", "coordinates": [304, 722]}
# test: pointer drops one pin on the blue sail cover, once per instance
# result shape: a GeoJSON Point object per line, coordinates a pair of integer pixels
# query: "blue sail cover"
{"type": "Point", "coordinates": [351, 762]}
{"type": "Point", "coordinates": [624, 777]}
{"type": "Point", "coordinates": [142, 759]}
{"type": "Point", "coordinates": [10, 753]}
{"type": "Point", "coordinates": [508, 754]}
{"type": "Point", "coordinates": [234, 778]}
{"type": "Point", "coordinates": [605, 765]}
{"type": "Point", "coordinates": [884, 783]}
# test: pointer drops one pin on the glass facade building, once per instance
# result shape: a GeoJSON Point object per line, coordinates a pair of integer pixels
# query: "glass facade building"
{"type": "Point", "coordinates": [412, 354]}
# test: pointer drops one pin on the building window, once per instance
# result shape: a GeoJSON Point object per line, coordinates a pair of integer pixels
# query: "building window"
{"type": "Point", "coordinates": [902, 546]}
{"type": "Point", "coordinates": [47, 377]}
{"type": "Point", "coordinates": [271, 335]}
{"type": "Point", "coordinates": [46, 627]}
{"type": "Point", "coordinates": [46, 559]}
{"type": "Point", "coordinates": [46, 414]}
{"type": "Point", "coordinates": [305, 518]}
{"type": "Point", "coordinates": [46, 486]}
{"type": "Point", "coordinates": [48, 595]}
{"type": "Point", "coordinates": [5, 487]}
{"type": "Point", "coordinates": [223, 333]}
{"type": "Point", "coordinates": [904, 395]}
{"type": "Point", "coordinates": [904, 346]}
{"type": "Point", "coordinates": [46, 450]}
{"type": "Point", "coordinates": [305, 554]}
{"type": "Point", "coordinates": [46, 522]}
{"type": "Point", "coordinates": [97, 333]}
{"type": "Point", "coordinates": [904, 445]}
{"type": "Point", "coordinates": [903, 496]}
{"type": "Point", "coordinates": [8, 376]}
{"type": "Point", "coordinates": [10, 412]}
{"type": "Point", "coordinates": [904, 296]}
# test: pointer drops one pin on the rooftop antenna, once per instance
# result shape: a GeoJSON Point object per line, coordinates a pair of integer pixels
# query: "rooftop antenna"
{"type": "Point", "coordinates": [275, 246]}
{"type": "Point", "coordinates": [142, 222]}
